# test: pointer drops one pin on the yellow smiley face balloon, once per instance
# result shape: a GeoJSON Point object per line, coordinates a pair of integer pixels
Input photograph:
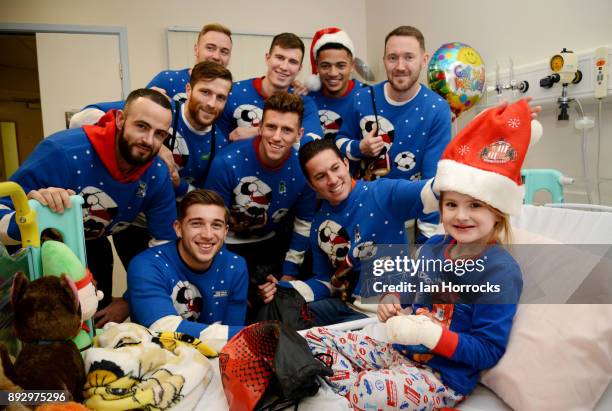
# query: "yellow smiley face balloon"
{"type": "Point", "coordinates": [457, 73]}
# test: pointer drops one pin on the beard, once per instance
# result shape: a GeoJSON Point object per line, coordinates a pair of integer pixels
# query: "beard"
{"type": "Point", "coordinates": [126, 151]}
{"type": "Point", "coordinates": [412, 80]}
{"type": "Point", "coordinates": [194, 113]}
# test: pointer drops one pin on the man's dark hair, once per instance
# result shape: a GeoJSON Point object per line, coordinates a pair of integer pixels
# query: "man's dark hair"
{"type": "Point", "coordinates": [153, 95]}
{"type": "Point", "coordinates": [288, 41]}
{"type": "Point", "coordinates": [284, 102]}
{"type": "Point", "coordinates": [333, 46]}
{"type": "Point", "coordinates": [311, 149]}
{"type": "Point", "coordinates": [407, 31]}
{"type": "Point", "coordinates": [209, 71]}
{"type": "Point", "coordinates": [201, 196]}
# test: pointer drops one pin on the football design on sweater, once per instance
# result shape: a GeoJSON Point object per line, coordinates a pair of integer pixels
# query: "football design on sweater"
{"type": "Point", "coordinates": [252, 199]}
{"type": "Point", "coordinates": [404, 161]}
{"type": "Point", "coordinates": [365, 250]}
{"type": "Point", "coordinates": [187, 300]}
{"type": "Point", "coordinates": [180, 153]}
{"type": "Point", "coordinates": [334, 240]}
{"type": "Point", "coordinates": [385, 128]}
{"type": "Point", "coordinates": [248, 115]}
{"type": "Point", "coordinates": [99, 210]}
{"type": "Point", "coordinates": [330, 122]}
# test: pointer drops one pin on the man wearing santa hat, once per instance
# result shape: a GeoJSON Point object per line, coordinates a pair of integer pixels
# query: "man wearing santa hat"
{"type": "Point", "coordinates": [332, 56]}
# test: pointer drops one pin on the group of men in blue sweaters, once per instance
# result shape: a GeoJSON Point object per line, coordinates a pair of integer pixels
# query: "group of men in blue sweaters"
{"type": "Point", "coordinates": [266, 174]}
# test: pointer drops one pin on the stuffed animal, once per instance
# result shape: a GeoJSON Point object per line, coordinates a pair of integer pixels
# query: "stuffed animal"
{"type": "Point", "coordinates": [6, 384]}
{"type": "Point", "coordinates": [47, 317]}
{"type": "Point", "coordinates": [58, 258]}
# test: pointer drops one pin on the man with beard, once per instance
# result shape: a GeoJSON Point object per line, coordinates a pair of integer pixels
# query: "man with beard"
{"type": "Point", "coordinates": [114, 166]}
{"type": "Point", "coordinates": [401, 129]}
{"type": "Point", "coordinates": [195, 141]}
{"type": "Point", "coordinates": [197, 138]}
{"type": "Point", "coordinates": [192, 285]}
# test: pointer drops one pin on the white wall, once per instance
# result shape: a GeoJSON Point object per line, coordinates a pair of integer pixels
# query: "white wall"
{"type": "Point", "coordinates": [147, 20]}
{"type": "Point", "coordinates": [527, 31]}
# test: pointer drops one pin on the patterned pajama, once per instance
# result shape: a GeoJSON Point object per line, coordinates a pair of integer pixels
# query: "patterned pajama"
{"type": "Point", "coordinates": [375, 376]}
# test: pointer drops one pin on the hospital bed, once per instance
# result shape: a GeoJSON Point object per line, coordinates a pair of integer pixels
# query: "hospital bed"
{"type": "Point", "coordinates": [536, 225]}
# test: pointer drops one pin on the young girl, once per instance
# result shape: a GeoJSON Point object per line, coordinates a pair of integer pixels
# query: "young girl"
{"type": "Point", "coordinates": [436, 351]}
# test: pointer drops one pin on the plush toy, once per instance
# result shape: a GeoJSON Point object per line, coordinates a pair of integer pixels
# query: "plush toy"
{"type": "Point", "coordinates": [47, 316]}
{"type": "Point", "coordinates": [6, 384]}
{"type": "Point", "coordinates": [58, 258]}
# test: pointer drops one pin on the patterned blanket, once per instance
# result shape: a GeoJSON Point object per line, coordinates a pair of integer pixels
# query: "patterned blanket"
{"type": "Point", "coordinates": [130, 367]}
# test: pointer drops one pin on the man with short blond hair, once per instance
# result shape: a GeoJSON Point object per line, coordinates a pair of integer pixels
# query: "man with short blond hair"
{"type": "Point", "coordinates": [214, 43]}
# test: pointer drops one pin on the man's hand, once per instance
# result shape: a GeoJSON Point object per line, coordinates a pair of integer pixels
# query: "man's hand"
{"type": "Point", "coordinates": [242, 133]}
{"type": "Point", "coordinates": [288, 278]}
{"type": "Point", "coordinates": [161, 90]}
{"type": "Point", "coordinates": [389, 306]}
{"type": "Point", "coordinates": [267, 290]}
{"type": "Point", "coordinates": [299, 89]}
{"type": "Point", "coordinates": [57, 199]}
{"type": "Point", "coordinates": [117, 311]}
{"type": "Point", "coordinates": [166, 155]}
{"type": "Point", "coordinates": [371, 145]}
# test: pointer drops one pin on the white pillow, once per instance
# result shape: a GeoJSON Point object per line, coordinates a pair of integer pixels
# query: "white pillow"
{"type": "Point", "coordinates": [559, 357]}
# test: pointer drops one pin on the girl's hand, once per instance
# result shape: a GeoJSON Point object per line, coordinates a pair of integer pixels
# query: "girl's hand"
{"type": "Point", "coordinates": [389, 306]}
{"type": "Point", "coordinates": [535, 110]}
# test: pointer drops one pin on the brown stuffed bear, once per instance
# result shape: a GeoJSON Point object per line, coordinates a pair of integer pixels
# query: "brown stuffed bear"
{"type": "Point", "coordinates": [47, 317]}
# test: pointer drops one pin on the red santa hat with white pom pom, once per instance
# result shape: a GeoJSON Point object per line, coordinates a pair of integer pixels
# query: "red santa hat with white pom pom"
{"type": "Point", "coordinates": [484, 160]}
{"type": "Point", "coordinates": [321, 38]}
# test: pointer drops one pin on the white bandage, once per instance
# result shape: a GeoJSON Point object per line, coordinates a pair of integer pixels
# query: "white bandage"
{"type": "Point", "coordinates": [413, 330]}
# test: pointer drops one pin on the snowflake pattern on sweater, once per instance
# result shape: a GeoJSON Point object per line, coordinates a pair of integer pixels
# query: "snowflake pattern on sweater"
{"type": "Point", "coordinates": [244, 108]}
{"type": "Point", "coordinates": [173, 82]}
{"type": "Point", "coordinates": [259, 197]}
{"type": "Point", "coordinates": [333, 111]}
{"type": "Point", "coordinates": [67, 159]}
{"type": "Point", "coordinates": [415, 132]}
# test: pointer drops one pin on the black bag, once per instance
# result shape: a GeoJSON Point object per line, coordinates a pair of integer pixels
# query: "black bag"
{"type": "Point", "coordinates": [295, 372]}
{"type": "Point", "coordinates": [288, 307]}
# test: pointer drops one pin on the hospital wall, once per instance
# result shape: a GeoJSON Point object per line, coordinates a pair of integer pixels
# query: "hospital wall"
{"type": "Point", "coordinates": [527, 31]}
{"type": "Point", "coordinates": [147, 21]}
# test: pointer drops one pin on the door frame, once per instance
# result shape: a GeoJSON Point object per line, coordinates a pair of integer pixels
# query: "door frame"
{"type": "Point", "coordinates": [121, 32]}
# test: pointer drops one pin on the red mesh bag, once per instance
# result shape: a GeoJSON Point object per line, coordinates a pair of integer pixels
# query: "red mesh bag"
{"type": "Point", "coordinates": [246, 364]}
{"type": "Point", "coordinates": [269, 365]}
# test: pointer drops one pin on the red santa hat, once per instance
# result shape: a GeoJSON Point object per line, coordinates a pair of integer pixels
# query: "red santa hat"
{"type": "Point", "coordinates": [484, 160]}
{"type": "Point", "coordinates": [321, 38]}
